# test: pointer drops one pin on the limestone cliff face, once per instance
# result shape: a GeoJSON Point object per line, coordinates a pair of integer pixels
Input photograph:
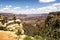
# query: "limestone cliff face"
{"type": "Point", "coordinates": [52, 25]}
{"type": "Point", "coordinates": [15, 26]}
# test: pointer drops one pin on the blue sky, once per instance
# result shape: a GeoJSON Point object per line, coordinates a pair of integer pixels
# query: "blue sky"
{"type": "Point", "coordinates": [29, 6]}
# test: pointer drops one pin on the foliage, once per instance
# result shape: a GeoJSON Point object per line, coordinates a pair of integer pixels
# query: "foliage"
{"type": "Point", "coordinates": [18, 32]}
{"type": "Point", "coordinates": [2, 28]}
{"type": "Point", "coordinates": [52, 26]}
{"type": "Point", "coordinates": [14, 17]}
{"type": "Point", "coordinates": [28, 38]}
{"type": "Point", "coordinates": [49, 30]}
{"type": "Point", "coordinates": [38, 37]}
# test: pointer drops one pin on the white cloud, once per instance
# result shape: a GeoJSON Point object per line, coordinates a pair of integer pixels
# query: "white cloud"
{"type": "Point", "coordinates": [17, 7]}
{"type": "Point", "coordinates": [47, 9]}
{"type": "Point", "coordinates": [8, 6]}
{"type": "Point", "coordinates": [9, 10]}
{"type": "Point", "coordinates": [46, 1]}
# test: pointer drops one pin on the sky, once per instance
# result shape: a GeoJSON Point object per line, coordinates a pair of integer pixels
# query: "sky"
{"type": "Point", "coordinates": [29, 6]}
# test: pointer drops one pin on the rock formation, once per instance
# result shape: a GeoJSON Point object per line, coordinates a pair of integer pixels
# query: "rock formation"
{"type": "Point", "coordinates": [52, 25]}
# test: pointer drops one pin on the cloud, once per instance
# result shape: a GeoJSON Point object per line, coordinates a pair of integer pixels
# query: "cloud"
{"type": "Point", "coordinates": [8, 6]}
{"type": "Point", "coordinates": [17, 8]}
{"type": "Point", "coordinates": [47, 9]}
{"type": "Point", "coordinates": [8, 9]}
{"type": "Point", "coordinates": [51, 8]}
{"type": "Point", "coordinates": [29, 11]}
{"type": "Point", "coordinates": [46, 1]}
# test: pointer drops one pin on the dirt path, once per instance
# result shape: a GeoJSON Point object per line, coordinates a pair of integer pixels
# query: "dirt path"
{"type": "Point", "coordinates": [7, 35]}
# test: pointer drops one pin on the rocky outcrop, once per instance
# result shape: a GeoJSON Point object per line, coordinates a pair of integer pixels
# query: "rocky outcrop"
{"type": "Point", "coordinates": [52, 25]}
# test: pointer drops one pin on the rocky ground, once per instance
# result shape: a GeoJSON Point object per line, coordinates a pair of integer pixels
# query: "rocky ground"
{"type": "Point", "coordinates": [7, 35]}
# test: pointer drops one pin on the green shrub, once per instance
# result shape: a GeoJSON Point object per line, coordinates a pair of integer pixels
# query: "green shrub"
{"type": "Point", "coordinates": [2, 28]}
{"type": "Point", "coordinates": [38, 37]}
{"type": "Point", "coordinates": [28, 38]}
